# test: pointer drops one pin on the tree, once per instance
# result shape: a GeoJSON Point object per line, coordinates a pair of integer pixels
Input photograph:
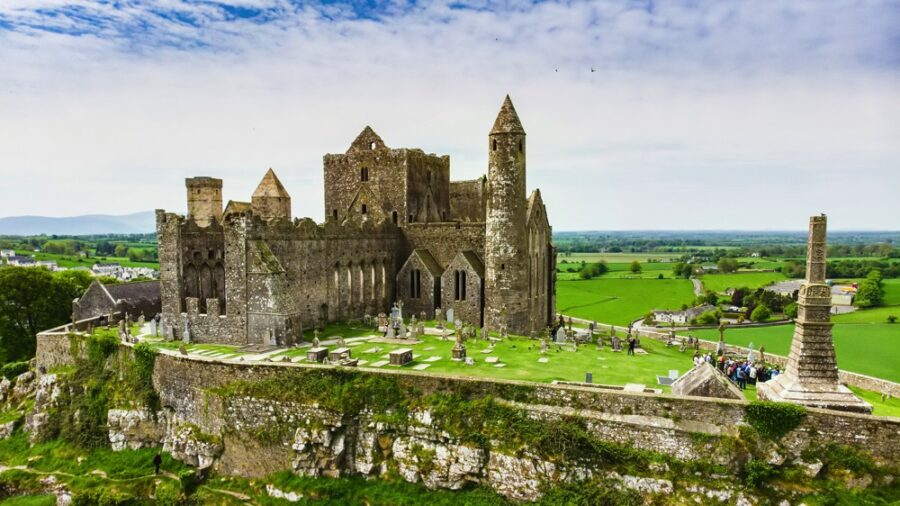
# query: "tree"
{"type": "Point", "coordinates": [708, 318]}
{"type": "Point", "coordinates": [592, 270]}
{"type": "Point", "coordinates": [892, 318]}
{"type": "Point", "coordinates": [791, 310]}
{"type": "Point", "coordinates": [727, 265]}
{"type": "Point", "coordinates": [635, 267]}
{"type": "Point", "coordinates": [760, 314]}
{"type": "Point", "coordinates": [121, 250]}
{"type": "Point", "coordinates": [31, 300]}
{"type": "Point", "coordinates": [870, 293]}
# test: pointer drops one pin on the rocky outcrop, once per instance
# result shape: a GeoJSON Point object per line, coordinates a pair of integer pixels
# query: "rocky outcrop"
{"type": "Point", "coordinates": [136, 428]}
{"type": "Point", "coordinates": [46, 394]}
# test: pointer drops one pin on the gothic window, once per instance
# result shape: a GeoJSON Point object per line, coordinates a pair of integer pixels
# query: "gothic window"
{"type": "Point", "coordinates": [372, 145]}
{"type": "Point", "coordinates": [410, 218]}
{"type": "Point", "coordinates": [364, 174]}
{"type": "Point", "coordinates": [520, 145]}
{"type": "Point", "coordinates": [460, 288]}
{"type": "Point", "coordinates": [415, 284]}
{"type": "Point", "coordinates": [394, 217]}
{"type": "Point", "coordinates": [429, 177]}
{"type": "Point", "coordinates": [494, 147]}
{"type": "Point", "coordinates": [334, 213]}
{"type": "Point", "coordinates": [363, 209]}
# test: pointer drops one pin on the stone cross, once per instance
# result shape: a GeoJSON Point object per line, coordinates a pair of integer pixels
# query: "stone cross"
{"type": "Point", "coordinates": [315, 341]}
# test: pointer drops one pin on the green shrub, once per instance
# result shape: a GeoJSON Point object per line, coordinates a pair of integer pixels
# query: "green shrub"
{"type": "Point", "coordinates": [791, 310]}
{"type": "Point", "coordinates": [142, 376]}
{"type": "Point", "coordinates": [708, 318]}
{"type": "Point", "coordinates": [13, 369]}
{"type": "Point", "coordinates": [760, 314]}
{"type": "Point", "coordinates": [774, 419]}
{"type": "Point", "coordinates": [758, 472]}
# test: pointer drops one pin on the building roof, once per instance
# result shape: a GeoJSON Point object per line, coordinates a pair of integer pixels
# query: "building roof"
{"type": "Point", "coordinates": [235, 206]}
{"type": "Point", "coordinates": [270, 186]}
{"type": "Point", "coordinates": [148, 290]}
{"type": "Point", "coordinates": [429, 262]}
{"type": "Point", "coordinates": [507, 120]}
{"type": "Point", "coordinates": [472, 258]}
{"type": "Point", "coordinates": [21, 259]}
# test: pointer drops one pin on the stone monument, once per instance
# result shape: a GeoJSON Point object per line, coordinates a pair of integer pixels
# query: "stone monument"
{"type": "Point", "coordinates": [459, 349]}
{"type": "Point", "coordinates": [810, 376]}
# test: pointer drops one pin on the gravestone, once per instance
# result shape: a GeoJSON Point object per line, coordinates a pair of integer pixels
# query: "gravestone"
{"type": "Point", "coordinates": [187, 332]}
{"type": "Point", "coordinates": [402, 332]}
{"type": "Point", "coordinates": [317, 354]}
{"type": "Point", "coordinates": [401, 356]}
{"type": "Point", "coordinates": [484, 333]}
{"type": "Point", "coordinates": [338, 354]}
{"type": "Point", "coordinates": [390, 332]}
{"type": "Point", "coordinates": [153, 328]}
{"type": "Point", "coordinates": [561, 335]}
{"type": "Point", "coordinates": [421, 330]}
{"type": "Point", "coordinates": [588, 377]}
{"type": "Point", "coordinates": [450, 315]}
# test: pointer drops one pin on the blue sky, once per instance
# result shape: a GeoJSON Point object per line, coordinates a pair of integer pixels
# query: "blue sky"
{"type": "Point", "coordinates": [640, 115]}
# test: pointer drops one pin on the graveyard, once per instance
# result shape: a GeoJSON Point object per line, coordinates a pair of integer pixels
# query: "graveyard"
{"type": "Point", "coordinates": [511, 357]}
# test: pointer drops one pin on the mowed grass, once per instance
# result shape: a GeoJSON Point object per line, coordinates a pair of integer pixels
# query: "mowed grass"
{"type": "Point", "coordinates": [892, 292]}
{"type": "Point", "coordinates": [866, 348]}
{"type": "Point", "coordinates": [620, 301]}
{"type": "Point", "coordinates": [721, 282]}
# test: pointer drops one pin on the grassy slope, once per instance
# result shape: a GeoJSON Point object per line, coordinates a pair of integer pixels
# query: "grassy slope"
{"type": "Point", "coordinates": [620, 301]}
{"type": "Point", "coordinates": [721, 282]}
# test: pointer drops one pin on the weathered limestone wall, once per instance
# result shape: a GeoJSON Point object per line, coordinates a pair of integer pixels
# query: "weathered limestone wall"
{"type": "Point", "coordinates": [468, 309]}
{"type": "Point", "coordinates": [444, 240]}
{"type": "Point", "coordinates": [467, 200]}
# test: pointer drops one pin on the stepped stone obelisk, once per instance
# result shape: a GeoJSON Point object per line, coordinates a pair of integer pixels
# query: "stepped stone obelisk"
{"type": "Point", "coordinates": [811, 374]}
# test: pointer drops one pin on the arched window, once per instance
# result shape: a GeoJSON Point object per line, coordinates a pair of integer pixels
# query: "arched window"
{"type": "Point", "coordinates": [364, 174]}
{"type": "Point", "coordinates": [410, 218]}
{"type": "Point", "coordinates": [372, 145]}
{"type": "Point", "coordinates": [429, 177]}
{"type": "Point", "coordinates": [395, 217]}
{"type": "Point", "coordinates": [363, 209]}
{"type": "Point", "coordinates": [334, 213]}
{"type": "Point", "coordinates": [494, 148]}
{"type": "Point", "coordinates": [460, 285]}
{"type": "Point", "coordinates": [520, 145]}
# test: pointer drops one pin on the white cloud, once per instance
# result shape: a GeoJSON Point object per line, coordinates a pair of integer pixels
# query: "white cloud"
{"type": "Point", "coordinates": [731, 115]}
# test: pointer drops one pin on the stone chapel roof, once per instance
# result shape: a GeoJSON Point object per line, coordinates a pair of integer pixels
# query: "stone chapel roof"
{"type": "Point", "coordinates": [270, 186]}
{"type": "Point", "coordinates": [429, 261]}
{"type": "Point", "coordinates": [145, 290]}
{"type": "Point", "coordinates": [473, 260]}
{"type": "Point", "coordinates": [507, 120]}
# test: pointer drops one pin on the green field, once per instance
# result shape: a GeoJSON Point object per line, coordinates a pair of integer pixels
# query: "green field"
{"type": "Point", "coordinates": [721, 282]}
{"type": "Point", "coordinates": [76, 261]}
{"type": "Point", "coordinates": [867, 348]}
{"type": "Point", "coordinates": [618, 257]}
{"type": "Point", "coordinates": [620, 301]}
{"type": "Point", "coordinates": [892, 292]}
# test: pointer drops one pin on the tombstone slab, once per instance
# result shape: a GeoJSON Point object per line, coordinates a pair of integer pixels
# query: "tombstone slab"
{"type": "Point", "coordinates": [401, 356]}
{"type": "Point", "coordinates": [317, 354]}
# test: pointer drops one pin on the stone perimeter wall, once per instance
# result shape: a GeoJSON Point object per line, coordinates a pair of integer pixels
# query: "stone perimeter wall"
{"type": "Point", "coordinates": [202, 429]}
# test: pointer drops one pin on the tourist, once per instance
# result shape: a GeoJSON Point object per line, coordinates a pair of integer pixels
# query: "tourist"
{"type": "Point", "coordinates": [157, 461]}
{"type": "Point", "coordinates": [741, 378]}
{"type": "Point", "coordinates": [631, 343]}
{"type": "Point", "coordinates": [697, 360]}
{"type": "Point", "coordinates": [752, 374]}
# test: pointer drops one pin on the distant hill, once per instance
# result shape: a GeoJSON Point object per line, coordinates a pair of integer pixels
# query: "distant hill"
{"type": "Point", "coordinates": [138, 223]}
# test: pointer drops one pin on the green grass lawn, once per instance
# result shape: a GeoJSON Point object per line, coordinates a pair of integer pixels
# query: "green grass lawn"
{"type": "Point", "coordinates": [619, 257]}
{"type": "Point", "coordinates": [892, 292]}
{"type": "Point", "coordinates": [76, 261]}
{"type": "Point", "coordinates": [620, 301]}
{"type": "Point", "coordinates": [721, 282]}
{"type": "Point", "coordinates": [867, 348]}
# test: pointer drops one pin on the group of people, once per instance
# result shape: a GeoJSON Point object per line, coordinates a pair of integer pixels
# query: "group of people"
{"type": "Point", "coordinates": [741, 372]}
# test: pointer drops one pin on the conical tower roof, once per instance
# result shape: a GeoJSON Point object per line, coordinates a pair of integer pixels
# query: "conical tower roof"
{"type": "Point", "coordinates": [507, 121]}
{"type": "Point", "coordinates": [270, 186]}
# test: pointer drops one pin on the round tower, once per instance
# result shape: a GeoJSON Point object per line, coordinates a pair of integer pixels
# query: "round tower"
{"type": "Point", "coordinates": [506, 268]}
{"type": "Point", "coordinates": [204, 200]}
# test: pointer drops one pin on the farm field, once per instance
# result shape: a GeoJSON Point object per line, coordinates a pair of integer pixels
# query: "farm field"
{"type": "Point", "coordinates": [620, 301]}
{"type": "Point", "coordinates": [626, 258]}
{"type": "Point", "coordinates": [721, 282]}
{"type": "Point", "coordinates": [867, 348]}
{"type": "Point", "coordinates": [71, 261]}
{"type": "Point", "coordinates": [892, 292]}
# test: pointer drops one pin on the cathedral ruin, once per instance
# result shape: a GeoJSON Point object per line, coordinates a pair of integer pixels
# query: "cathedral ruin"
{"type": "Point", "coordinates": [396, 229]}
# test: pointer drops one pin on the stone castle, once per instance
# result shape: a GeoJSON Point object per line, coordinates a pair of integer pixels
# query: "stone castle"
{"type": "Point", "coordinates": [397, 229]}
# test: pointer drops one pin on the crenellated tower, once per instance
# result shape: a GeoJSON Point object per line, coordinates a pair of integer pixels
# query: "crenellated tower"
{"type": "Point", "coordinates": [204, 200]}
{"type": "Point", "coordinates": [506, 264]}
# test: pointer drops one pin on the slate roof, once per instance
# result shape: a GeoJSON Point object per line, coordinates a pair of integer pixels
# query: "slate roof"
{"type": "Point", "coordinates": [474, 261]}
{"type": "Point", "coordinates": [507, 120]}
{"type": "Point", "coordinates": [429, 261]}
{"type": "Point", "coordinates": [147, 290]}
